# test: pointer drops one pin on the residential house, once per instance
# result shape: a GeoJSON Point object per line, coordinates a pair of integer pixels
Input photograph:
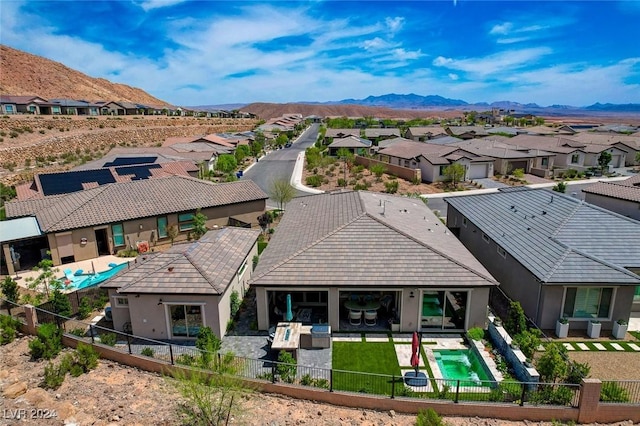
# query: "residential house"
{"type": "Point", "coordinates": [432, 160]}
{"type": "Point", "coordinates": [74, 107]}
{"type": "Point", "coordinates": [354, 144]}
{"type": "Point", "coordinates": [24, 105]}
{"type": "Point", "coordinates": [630, 144]}
{"type": "Point", "coordinates": [506, 158]}
{"type": "Point", "coordinates": [387, 255]}
{"type": "Point", "coordinates": [466, 132]}
{"type": "Point", "coordinates": [131, 215]}
{"type": "Point", "coordinates": [331, 134]}
{"type": "Point", "coordinates": [550, 131]}
{"type": "Point", "coordinates": [379, 134]}
{"type": "Point", "coordinates": [570, 154]}
{"type": "Point", "coordinates": [174, 293]}
{"type": "Point", "coordinates": [622, 197]}
{"type": "Point", "coordinates": [556, 255]}
{"type": "Point", "coordinates": [425, 133]}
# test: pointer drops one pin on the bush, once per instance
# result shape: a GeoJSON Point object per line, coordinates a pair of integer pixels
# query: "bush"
{"type": "Point", "coordinates": [391, 187]}
{"type": "Point", "coordinates": [518, 173]}
{"type": "Point", "coordinates": [9, 288]}
{"type": "Point", "coordinates": [85, 357]}
{"type": "Point", "coordinates": [100, 302]}
{"type": "Point", "coordinates": [235, 303]}
{"type": "Point", "coordinates": [53, 376]}
{"type": "Point", "coordinates": [286, 368]}
{"type": "Point", "coordinates": [560, 395]}
{"type": "Point", "coordinates": [61, 304]}
{"type": "Point", "coordinates": [80, 332]}
{"type": "Point", "coordinates": [429, 417]}
{"type": "Point", "coordinates": [314, 180]}
{"type": "Point", "coordinates": [613, 392]}
{"type": "Point", "coordinates": [48, 342]}
{"type": "Point", "coordinates": [8, 329]}
{"type": "Point", "coordinates": [84, 309]}
{"type": "Point", "coordinates": [186, 359]}
{"type": "Point", "coordinates": [109, 339]}
{"type": "Point", "coordinates": [560, 187]}
{"type": "Point", "coordinates": [475, 333]}
{"type": "Point", "coordinates": [147, 352]}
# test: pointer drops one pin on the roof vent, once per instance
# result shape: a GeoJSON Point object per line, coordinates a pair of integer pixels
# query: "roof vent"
{"type": "Point", "coordinates": [513, 207]}
{"type": "Point", "coordinates": [170, 269]}
{"type": "Point", "coordinates": [544, 212]}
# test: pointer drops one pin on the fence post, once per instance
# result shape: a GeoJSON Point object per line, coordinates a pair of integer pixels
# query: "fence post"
{"type": "Point", "coordinates": [393, 386]}
{"type": "Point", "coordinates": [129, 343]}
{"type": "Point", "coordinates": [331, 380]}
{"type": "Point", "coordinates": [171, 353]}
{"type": "Point", "coordinates": [457, 391]}
{"type": "Point", "coordinates": [273, 373]}
{"type": "Point", "coordinates": [523, 394]}
{"type": "Point", "coordinates": [91, 331]}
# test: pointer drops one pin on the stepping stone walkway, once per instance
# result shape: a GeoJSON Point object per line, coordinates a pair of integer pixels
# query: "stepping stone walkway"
{"type": "Point", "coordinates": [569, 346]}
{"type": "Point", "coordinates": [583, 346]}
{"type": "Point", "coordinates": [617, 347]}
{"type": "Point", "coordinates": [634, 347]}
{"type": "Point", "coordinates": [600, 346]}
{"type": "Point", "coordinates": [376, 338]}
{"type": "Point", "coordinates": [349, 337]}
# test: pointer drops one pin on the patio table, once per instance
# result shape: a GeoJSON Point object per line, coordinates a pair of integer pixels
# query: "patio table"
{"type": "Point", "coordinates": [287, 337]}
{"type": "Point", "coordinates": [354, 305]}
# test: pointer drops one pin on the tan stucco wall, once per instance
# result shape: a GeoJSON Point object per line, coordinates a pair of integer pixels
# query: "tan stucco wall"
{"type": "Point", "coordinates": [626, 208]}
{"type": "Point", "coordinates": [120, 315]}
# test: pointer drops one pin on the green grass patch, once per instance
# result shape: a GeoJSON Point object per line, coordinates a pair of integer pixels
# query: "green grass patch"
{"type": "Point", "coordinates": [635, 334]}
{"type": "Point", "coordinates": [376, 358]}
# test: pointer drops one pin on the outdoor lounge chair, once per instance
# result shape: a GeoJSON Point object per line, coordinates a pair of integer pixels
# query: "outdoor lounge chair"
{"type": "Point", "coordinates": [371, 318]}
{"type": "Point", "coordinates": [355, 317]}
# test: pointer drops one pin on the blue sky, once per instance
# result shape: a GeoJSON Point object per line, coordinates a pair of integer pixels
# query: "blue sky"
{"type": "Point", "coordinates": [209, 52]}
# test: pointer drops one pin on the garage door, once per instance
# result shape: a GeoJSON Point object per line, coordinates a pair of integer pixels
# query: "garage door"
{"type": "Point", "coordinates": [615, 161]}
{"type": "Point", "coordinates": [477, 171]}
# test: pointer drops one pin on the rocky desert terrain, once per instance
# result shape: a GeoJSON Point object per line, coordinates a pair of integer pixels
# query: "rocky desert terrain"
{"type": "Point", "coordinates": [113, 394]}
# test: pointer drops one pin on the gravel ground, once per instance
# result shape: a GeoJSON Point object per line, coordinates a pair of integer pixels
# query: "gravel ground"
{"type": "Point", "coordinates": [118, 395]}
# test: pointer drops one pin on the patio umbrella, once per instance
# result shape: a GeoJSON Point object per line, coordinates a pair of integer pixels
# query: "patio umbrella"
{"type": "Point", "coordinates": [289, 313]}
{"type": "Point", "coordinates": [415, 351]}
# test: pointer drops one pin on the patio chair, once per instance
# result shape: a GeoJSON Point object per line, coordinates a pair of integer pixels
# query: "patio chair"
{"type": "Point", "coordinates": [355, 317]}
{"type": "Point", "coordinates": [371, 318]}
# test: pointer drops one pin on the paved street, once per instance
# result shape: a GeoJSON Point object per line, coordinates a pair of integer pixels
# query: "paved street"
{"type": "Point", "coordinates": [279, 164]}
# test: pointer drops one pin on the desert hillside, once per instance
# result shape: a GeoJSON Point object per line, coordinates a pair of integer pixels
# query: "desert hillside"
{"type": "Point", "coordinates": [269, 110]}
{"type": "Point", "coordinates": [27, 74]}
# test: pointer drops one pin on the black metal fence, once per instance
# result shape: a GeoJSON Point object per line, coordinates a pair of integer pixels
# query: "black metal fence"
{"type": "Point", "coordinates": [515, 392]}
{"type": "Point", "coordinates": [95, 296]}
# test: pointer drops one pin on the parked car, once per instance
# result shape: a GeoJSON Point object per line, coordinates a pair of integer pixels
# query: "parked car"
{"type": "Point", "coordinates": [287, 145]}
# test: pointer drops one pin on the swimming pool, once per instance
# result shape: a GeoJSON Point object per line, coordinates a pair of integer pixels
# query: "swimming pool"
{"type": "Point", "coordinates": [82, 281]}
{"type": "Point", "coordinates": [462, 365]}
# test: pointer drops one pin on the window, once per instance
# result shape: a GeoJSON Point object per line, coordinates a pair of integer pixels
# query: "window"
{"type": "Point", "coordinates": [442, 170]}
{"type": "Point", "coordinates": [185, 221]}
{"type": "Point", "coordinates": [118, 234]}
{"type": "Point", "coordinates": [242, 269]}
{"type": "Point", "coordinates": [575, 158]}
{"type": "Point", "coordinates": [185, 320]}
{"type": "Point", "coordinates": [545, 162]}
{"type": "Point", "coordinates": [121, 302]}
{"type": "Point", "coordinates": [8, 109]}
{"type": "Point", "coordinates": [502, 252]}
{"type": "Point", "coordinates": [162, 227]}
{"type": "Point", "coordinates": [485, 237]}
{"type": "Point", "coordinates": [406, 163]}
{"type": "Point", "coordinates": [589, 302]}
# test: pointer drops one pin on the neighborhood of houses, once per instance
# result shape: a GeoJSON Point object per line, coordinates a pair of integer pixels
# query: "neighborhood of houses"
{"type": "Point", "coordinates": [350, 260]}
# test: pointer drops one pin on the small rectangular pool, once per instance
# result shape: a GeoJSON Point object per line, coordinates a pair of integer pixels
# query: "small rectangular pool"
{"type": "Point", "coordinates": [463, 365]}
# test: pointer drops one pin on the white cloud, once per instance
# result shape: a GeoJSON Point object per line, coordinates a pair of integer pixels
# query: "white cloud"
{"type": "Point", "coordinates": [375, 44]}
{"type": "Point", "coordinates": [394, 24]}
{"type": "Point", "coordinates": [499, 63]}
{"type": "Point", "coordinates": [148, 5]}
{"type": "Point", "coordinates": [502, 29]}
{"type": "Point", "coordinates": [404, 55]}
{"type": "Point", "coordinates": [453, 77]}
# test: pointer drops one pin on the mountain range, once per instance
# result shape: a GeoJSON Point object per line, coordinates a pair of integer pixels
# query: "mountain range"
{"type": "Point", "coordinates": [27, 74]}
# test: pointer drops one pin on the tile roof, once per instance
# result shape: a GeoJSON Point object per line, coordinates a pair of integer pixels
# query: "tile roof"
{"type": "Point", "coordinates": [558, 238]}
{"type": "Point", "coordinates": [118, 202]}
{"type": "Point", "coordinates": [337, 133]}
{"type": "Point", "coordinates": [628, 189]}
{"type": "Point", "coordinates": [206, 266]}
{"type": "Point", "coordinates": [350, 142]}
{"type": "Point", "coordinates": [365, 239]}
{"type": "Point", "coordinates": [374, 133]}
{"type": "Point", "coordinates": [496, 149]}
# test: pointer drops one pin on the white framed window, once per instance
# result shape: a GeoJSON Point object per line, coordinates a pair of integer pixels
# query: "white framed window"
{"type": "Point", "coordinates": [185, 221]}
{"type": "Point", "coordinates": [242, 269]}
{"type": "Point", "coordinates": [485, 238]}
{"type": "Point", "coordinates": [588, 302]}
{"type": "Point", "coordinates": [502, 252]}
{"type": "Point", "coordinates": [121, 302]}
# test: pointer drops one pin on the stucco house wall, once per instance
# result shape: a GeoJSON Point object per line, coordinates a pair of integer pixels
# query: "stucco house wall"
{"type": "Point", "coordinates": [624, 207]}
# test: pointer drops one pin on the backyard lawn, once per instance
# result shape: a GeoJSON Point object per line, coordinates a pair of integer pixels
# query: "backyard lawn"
{"type": "Point", "coordinates": [377, 359]}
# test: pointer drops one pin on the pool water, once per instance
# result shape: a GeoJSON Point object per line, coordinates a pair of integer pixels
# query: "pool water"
{"type": "Point", "coordinates": [80, 282]}
{"type": "Point", "coordinates": [463, 365]}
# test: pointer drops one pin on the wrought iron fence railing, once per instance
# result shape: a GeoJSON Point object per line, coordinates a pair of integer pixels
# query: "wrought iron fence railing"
{"type": "Point", "coordinates": [558, 394]}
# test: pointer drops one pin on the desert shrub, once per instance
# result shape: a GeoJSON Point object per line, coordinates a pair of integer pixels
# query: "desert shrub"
{"type": "Point", "coordinates": [577, 371]}
{"type": "Point", "coordinates": [391, 187]}
{"type": "Point", "coordinates": [208, 343]}
{"type": "Point", "coordinates": [186, 359]}
{"type": "Point", "coordinates": [560, 187]}
{"type": "Point", "coordinates": [571, 173]}
{"type": "Point", "coordinates": [554, 395]}
{"type": "Point", "coordinates": [429, 417]}
{"type": "Point", "coordinates": [147, 352]}
{"type": "Point", "coordinates": [78, 332]}
{"type": "Point", "coordinates": [405, 391]}
{"type": "Point", "coordinates": [9, 288]}
{"type": "Point", "coordinates": [8, 329]}
{"type": "Point", "coordinates": [85, 357]}
{"type": "Point", "coordinates": [235, 302]}
{"type": "Point", "coordinates": [53, 376]}
{"type": "Point", "coordinates": [109, 339]}
{"type": "Point", "coordinates": [314, 180]}
{"type": "Point", "coordinates": [359, 187]}
{"type": "Point", "coordinates": [476, 333]}
{"type": "Point", "coordinates": [61, 304]}
{"type": "Point", "coordinates": [41, 131]}
{"type": "Point", "coordinates": [342, 182]}
{"type": "Point", "coordinates": [130, 252]}
{"type": "Point", "coordinates": [48, 342]}
{"type": "Point", "coordinates": [99, 303]}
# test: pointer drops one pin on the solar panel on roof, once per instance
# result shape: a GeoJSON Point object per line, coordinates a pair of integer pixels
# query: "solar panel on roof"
{"type": "Point", "coordinates": [138, 172]}
{"type": "Point", "coordinates": [129, 161]}
{"type": "Point", "coordinates": [67, 182]}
